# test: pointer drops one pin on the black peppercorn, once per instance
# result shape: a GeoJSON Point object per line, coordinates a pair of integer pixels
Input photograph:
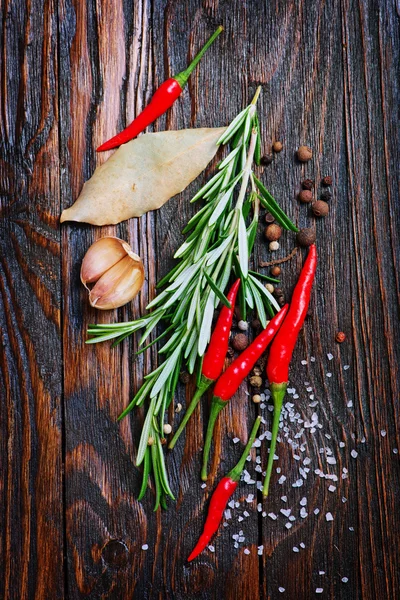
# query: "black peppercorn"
{"type": "Point", "coordinates": [278, 292]}
{"type": "Point", "coordinates": [307, 184]}
{"type": "Point", "coordinates": [281, 301]}
{"type": "Point", "coordinates": [326, 195]}
{"type": "Point", "coordinates": [184, 377]}
{"type": "Point", "coordinates": [266, 159]}
{"type": "Point", "coordinates": [327, 181]}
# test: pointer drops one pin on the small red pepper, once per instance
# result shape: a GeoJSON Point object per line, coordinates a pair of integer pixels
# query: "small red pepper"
{"type": "Point", "coordinates": [221, 495]}
{"type": "Point", "coordinates": [214, 358]}
{"type": "Point", "coordinates": [282, 349]}
{"type": "Point", "coordinates": [230, 381]}
{"type": "Point", "coordinates": [161, 101]}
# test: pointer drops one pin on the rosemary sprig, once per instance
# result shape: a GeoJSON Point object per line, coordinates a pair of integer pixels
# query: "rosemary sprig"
{"type": "Point", "coordinates": [217, 243]}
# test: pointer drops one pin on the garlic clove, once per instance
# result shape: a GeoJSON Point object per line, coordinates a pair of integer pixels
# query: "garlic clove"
{"type": "Point", "coordinates": [119, 284]}
{"type": "Point", "coordinates": [101, 256]}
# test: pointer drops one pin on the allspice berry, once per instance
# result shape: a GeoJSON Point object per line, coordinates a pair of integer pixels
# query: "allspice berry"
{"type": "Point", "coordinates": [269, 218]}
{"type": "Point", "coordinates": [273, 232]}
{"type": "Point", "coordinates": [277, 146]}
{"type": "Point", "coordinates": [304, 153]}
{"type": "Point", "coordinates": [255, 381]}
{"type": "Point", "coordinates": [305, 196]}
{"type": "Point", "coordinates": [305, 237]}
{"type": "Point", "coordinates": [340, 337]}
{"type": "Point", "coordinates": [240, 342]}
{"type": "Point", "coordinates": [275, 271]}
{"type": "Point", "coordinates": [326, 195]}
{"type": "Point", "coordinates": [327, 181]}
{"type": "Point", "coordinates": [320, 208]}
{"type": "Point", "coordinates": [256, 324]}
{"type": "Point", "coordinates": [307, 184]}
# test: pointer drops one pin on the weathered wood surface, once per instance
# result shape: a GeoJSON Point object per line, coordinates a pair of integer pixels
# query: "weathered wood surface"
{"type": "Point", "coordinates": [72, 73]}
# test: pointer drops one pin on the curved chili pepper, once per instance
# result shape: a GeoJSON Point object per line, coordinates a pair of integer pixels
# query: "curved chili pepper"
{"type": "Point", "coordinates": [282, 349]}
{"type": "Point", "coordinates": [221, 495]}
{"type": "Point", "coordinates": [214, 358]}
{"type": "Point", "coordinates": [161, 101]}
{"type": "Point", "coordinates": [230, 381]}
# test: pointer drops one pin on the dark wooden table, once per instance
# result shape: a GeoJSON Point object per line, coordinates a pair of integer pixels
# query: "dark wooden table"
{"type": "Point", "coordinates": [72, 73]}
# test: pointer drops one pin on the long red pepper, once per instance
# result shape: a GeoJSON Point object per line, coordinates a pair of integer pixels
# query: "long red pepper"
{"type": "Point", "coordinates": [282, 349]}
{"type": "Point", "coordinates": [161, 101]}
{"type": "Point", "coordinates": [214, 358]}
{"type": "Point", "coordinates": [221, 495]}
{"type": "Point", "coordinates": [230, 381]}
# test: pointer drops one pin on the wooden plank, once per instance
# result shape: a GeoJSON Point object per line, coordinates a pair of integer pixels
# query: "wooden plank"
{"type": "Point", "coordinates": [31, 491]}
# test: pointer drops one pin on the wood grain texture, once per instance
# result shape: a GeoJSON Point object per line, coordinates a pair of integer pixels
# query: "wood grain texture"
{"type": "Point", "coordinates": [74, 72]}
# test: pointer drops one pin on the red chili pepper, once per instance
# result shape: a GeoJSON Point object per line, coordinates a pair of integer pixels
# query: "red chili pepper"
{"type": "Point", "coordinates": [161, 101]}
{"type": "Point", "coordinates": [221, 495]}
{"type": "Point", "coordinates": [282, 348]}
{"type": "Point", "coordinates": [230, 381]}
{"type": "Point", "coordinates": [214, 358]}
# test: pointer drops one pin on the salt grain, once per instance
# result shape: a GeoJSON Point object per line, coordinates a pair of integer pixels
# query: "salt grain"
{"type": "Point", "coordinates": [316, 511]}
{"type": "Point", "coordinates": [284, 498]}
{"type": "Point", "coordinates": [383, 432]}
{"type": "Point", "coordinates": [228, 514]}
{"type": "Point", "coordinates": [285, 511]}
{"type": "Point", "coordinates": [295, 549]}
{"type": "Point", "coordinates": [331, 460]}
{"type": "Point", "coordinates": [236, 440]}
{"type": "Point", "coordinates": [329, 516]}
{"type": "Point", "coordinates": [240, 519]}
{"type": "Point", "coordinates": [288, 525]}
{"type": "Point", "coordinates": [329, 356]}
{"type": "Point", "coordinates": [321, 572]}
{"type": "Point", "coordinates": [145, 547]}
{"type": "Point", "coordinates": [303, 513]}
{"type": "Point", "coordinates": [354, 453]}
{"type": "Point", "coordinates": [319, 590]}
{"type": "Point", "coordinates": [211, 548]}
{"type": "Point", "coordinates": [260, 550]}
{"type": "Point", "coordinates": [344, 500]}
{"type": "Point", "coordinates": [281, 589]}
{"type": "Point", "coordinates": [246, 551]}
{"type": "Point", "coordinates": [303, 502]}
{"type": "Point", "coordinates": [281, 479]}
{"type": "Point", "coordinates": [250, 498]}
{"type": "Point", "coordinates": [350, 404]}
{"type": "Point", "coordinates": [342, 444]}
{"type": "Point", "coordinates": [302, 545]}
{"type": "Point", "coordinates": [292, 518]}
{"type": "Point", "coordinates": [231, 504]}
{"type": "Point", "coordinates": [272, 516]}
{"type": "Point", "coordinates": [351, 528]}
{"type": "Point", "coordinates": [395, 451]}
{"type": "Point", "coordinates": [332, 488]}
{"type": "Point", "coordinates": [312, 358]}
{"type": "Point", "coordinates": [203, 485]}
{"type": "Point", "coordinates": [345, 579]}
{"type": "Point", "coordinates": [303, 362]}
{"type": "Point", "coordinates": [329, 374]}
{"type": "Point", "coordinates": [346, 367]}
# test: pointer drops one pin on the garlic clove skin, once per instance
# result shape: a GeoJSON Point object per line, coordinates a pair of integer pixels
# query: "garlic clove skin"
{"type": "Point", "coordinates": [117, 272]}
{"type": "Point", "coordinates": [101, 256]}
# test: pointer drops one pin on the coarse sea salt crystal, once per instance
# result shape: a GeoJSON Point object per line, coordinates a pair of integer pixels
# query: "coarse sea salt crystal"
{"type": "Point", "coordinates": [306, 461]}
{"type": "Point", "coordinates": [329, 516]}
{"type": "Point", "coordinates": [344, 500]}
{"type": "Point", "coordinates": [395, 451]}
{"type": "Point", "coordinates": [319, 590]}
{"type": "Point", "coordinates": [286, 511]}
{"type": "Point", "coordinates": [312, 358]}
{"type": "Point", "coordinates": [145, 547]}
{"type": "Point", "coordinates": [260, 550]}
{"type": "Point", "coordinates": [236, 440]}
{"type": "Point", "coordinates": [295, 549]}
{"type": "Point", "coordinates": [329, 356]}
{"type": "Point", "coordinates": [302, 545]}
{"type": "Point", "coordinates": [303, 501]}
{"type": "Point", "coordinates": [345, 579]}
{"type": "Point", "coordinates": [259, 507]}
{"type": "Point", "coordinates": [383, 432]}
{"type": "Point", "coordinates": [288, 525]}
{"type": "Point", "coordinates": [228, 514]}
{"type": "Point", "coordinates": [281, 589]}
{"type": "Point", "coordinates": [298, 483]}
{"type": "Point", "coordinates": [332, 488]}
{"type": "Point", "coordinates": [350, 404]}
{"type": "Point", "coordinates": [342, 444]}
{"type": "Point", "coordinates": [351, 528]}
{"type": "Point", "coordinates": [316, 511]}
{"type": "Point", "coordinates": [292, 518]}
{"type": "Point", "coordinates": [246, 551]}
{"type": "Point", "coordinates": [250, 498]}
{"type": "Point", "coordinates": [303, 362]}
{"type": "Point", "coordinates": [211, 548]}
{"type": "Point", "coordinates": [331, 460]}
{"type": "Point", "coordinates": [346, 367]}
{"type": "Point", "coordinates": [284, 498]}
{"type": "Point", "coordinates": [329, 374]}
{"type": "Point", "coordinates": [246, 514]}
{"type": "Point", "coordinates": [240, 519]}
{"type": "Point", "coordinates": [281, 479]}
{"type": "Point", "coordinates": [303, 513]}
{"type": "Point", "coordinates": [354, 453]}
{"type": "Point", "coordinates": [272, 516]}
{"type": "Point", "coordinates": [257, 444]}
{"type": "Point", "coordinates": [321, 572]}
{"type": "Point", "coordinates": [231, 504]}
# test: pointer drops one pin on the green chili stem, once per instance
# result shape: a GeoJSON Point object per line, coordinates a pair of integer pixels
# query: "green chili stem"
{"type": "Point", "coordinates": [183, 76]}
{"type": "Point", "coordinates": [278, 391]}
{"type": "Point", "coordinates": [216, 406]}
{"type": "Point", "coordinates": [204, 385]}
{"type": "Point", "coordinates": [237, 470]}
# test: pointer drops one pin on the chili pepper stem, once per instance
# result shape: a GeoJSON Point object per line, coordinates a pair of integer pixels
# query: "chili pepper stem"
{"type": "Point", "coordinates": [202, 388]}
{"type": "Point", "coordinates": [183, 76]}
{"type": "Point", "coordinates": [216, 406]}
{"type": "Point", "coordinates": [237, 470]}
{"type": "Point", "coordinates": [255, 98]}
{"type": "Point", "coordinates": [278, 391]}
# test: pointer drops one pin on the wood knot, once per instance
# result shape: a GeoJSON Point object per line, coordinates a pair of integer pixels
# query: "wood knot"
{"type": "Point", "coordinates": [116, 554]}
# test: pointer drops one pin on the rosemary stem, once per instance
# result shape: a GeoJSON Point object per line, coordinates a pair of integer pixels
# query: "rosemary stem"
{"type": "Point", "coordinates": [247, 169]}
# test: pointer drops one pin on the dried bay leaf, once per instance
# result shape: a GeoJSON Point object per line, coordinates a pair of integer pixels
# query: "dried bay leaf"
{"type": "Point", "coordinates": [143, 174]}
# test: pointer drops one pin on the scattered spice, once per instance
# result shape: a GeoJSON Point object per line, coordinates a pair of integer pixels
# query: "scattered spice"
{"type": "Point", "coordinates": [305, 196]}
{"type": "Point", "coordinates": [340, 337]}
{"type": "Point", "coordinates": [240, 342]}
{"type": "Point", "coordinates": [304, 153]}
{"type": "Point", "coordinates": [273, 246]}
{"type": "Point", "coordinates": [320, 208]}
{"type": "Point", "coordinates": [243, 325]}
{"type": "Point", "coordinates": [326, 181]}
{"type": "Point", "coordinates": [279, 261]}
{"type": "Point", "coordinates": [167, 428]}
{"type": "Point", "coordinates": [306, 237]}
{"type": "Point", "coordinates": [184, 377]}
{"type": "Point", "coordinates": [230, 352]}
{"type": "Point", "coordinates": [275, 271]}
{"type": "Point", "coordinates": [266, 160]}
{"type": "Point", "coordinates": [326, 195]}
{"type": "Point", "coordinates": [255, 381]}
{"type": "Point", "coordinates": [256, 324]}
{"type": "Point", "coordinates": [307, 184]}
{"type": "Point", "coordinates": [269, 218]}
{"type": "Point", "coordinates": [256, 398]}
{"type": "Point", "coordinates": [273, 232]}
{"type": "Point", "coordinates": [270, 288]}
{"type": "Point", "coordinates": [277, 146]}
